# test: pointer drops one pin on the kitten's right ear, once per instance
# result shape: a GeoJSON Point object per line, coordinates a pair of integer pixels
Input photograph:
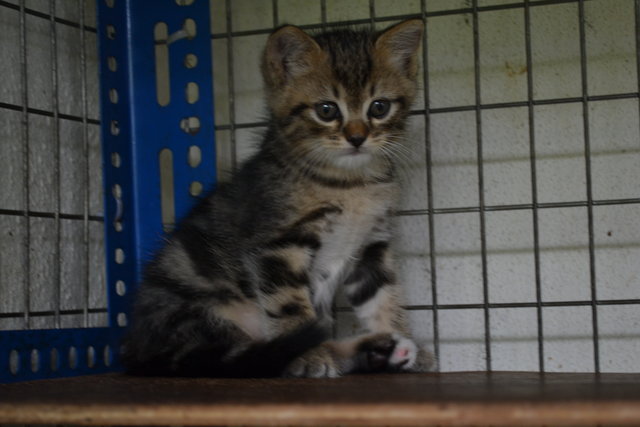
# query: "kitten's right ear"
{"type": "Point", "coordinates": [398, 46]}
{"type": "Point", "coordinates": [290, 53]}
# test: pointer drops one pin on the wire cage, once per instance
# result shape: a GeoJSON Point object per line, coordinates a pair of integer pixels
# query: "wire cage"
{"type": "Point", "coordinates": [517, 236]}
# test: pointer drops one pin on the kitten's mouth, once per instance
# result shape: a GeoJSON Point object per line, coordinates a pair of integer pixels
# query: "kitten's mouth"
{"type": "Point", "coordinates": [352, 158]}
{"type": "Point", "coordinates": [356, 151]}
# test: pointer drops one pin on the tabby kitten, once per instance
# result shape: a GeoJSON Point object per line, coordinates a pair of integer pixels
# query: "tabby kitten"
{"type": "Point", "coordinates": [245, 284]}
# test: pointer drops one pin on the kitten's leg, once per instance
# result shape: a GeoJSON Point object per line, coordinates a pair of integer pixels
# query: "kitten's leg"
{"type": "Point", "coordinates": [319, 362]}
{"type": "Point", "coordinates": [285, 296]}
{"type": "Point", "coordinates": [365, 353]}
{"type": "Point", "coordinates": [284, 288]}
{"type": "Point", "coordinates": [373, 293]}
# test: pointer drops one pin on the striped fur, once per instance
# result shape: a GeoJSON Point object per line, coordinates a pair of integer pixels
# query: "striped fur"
{"type": "Point", "coordinates": [244, 285]}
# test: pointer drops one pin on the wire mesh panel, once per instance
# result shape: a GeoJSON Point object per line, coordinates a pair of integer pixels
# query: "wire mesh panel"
{"type": "Point", "coordinates": [154, 64]}
{"type": "Point", "coordinates": [517, 235]}
{"type": "Point", "coordinates": [51, 268]}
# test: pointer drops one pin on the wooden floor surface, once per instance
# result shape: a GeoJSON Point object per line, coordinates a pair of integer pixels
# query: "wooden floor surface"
{"type": "Point", "coordinates": [500, 399]}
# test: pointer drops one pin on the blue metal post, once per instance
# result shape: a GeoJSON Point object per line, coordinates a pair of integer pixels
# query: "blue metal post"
{"type": "Point", "coordinates": [136, 127]}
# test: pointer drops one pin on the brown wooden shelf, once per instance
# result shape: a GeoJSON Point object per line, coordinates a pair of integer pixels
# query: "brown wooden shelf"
{"type": "Point", "coordinates": [451, 399]}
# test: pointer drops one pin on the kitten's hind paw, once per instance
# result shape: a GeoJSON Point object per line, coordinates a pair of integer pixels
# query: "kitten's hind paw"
{"type": "Point", "coordinates": [387, 352]}
{"type": "Point", "coordinates": [316, 363]}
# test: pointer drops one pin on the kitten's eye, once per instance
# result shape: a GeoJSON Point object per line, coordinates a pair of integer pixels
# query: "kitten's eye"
{"type": "Point", "coordinates": [379, 108]}
{"type": "Point", "coordinates": [327, 111]}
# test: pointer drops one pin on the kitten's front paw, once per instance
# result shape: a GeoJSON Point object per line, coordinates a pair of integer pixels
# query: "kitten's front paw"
{"type": "Point", "coordinates": [404, 355]}
{"type": "Point", "coordinates": [316, 363]}
{"type": "Point", "coordinates": [388, 352]}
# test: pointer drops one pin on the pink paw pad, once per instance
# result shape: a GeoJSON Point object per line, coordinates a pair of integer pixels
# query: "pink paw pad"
{"type": "Point", "coordinates": [403, 352]}
{"type": "Point", "coordinates": [404, 355]}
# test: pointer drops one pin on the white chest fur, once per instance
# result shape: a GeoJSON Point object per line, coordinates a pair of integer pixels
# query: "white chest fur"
{"type": "Point", "coordinates": [362, 211]}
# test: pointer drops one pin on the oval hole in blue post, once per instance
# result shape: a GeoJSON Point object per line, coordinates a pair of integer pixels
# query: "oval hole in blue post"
{"type": "Point", "coordinates": [167, 194]}
{"type": "Point", "coordinates": [160, 37]}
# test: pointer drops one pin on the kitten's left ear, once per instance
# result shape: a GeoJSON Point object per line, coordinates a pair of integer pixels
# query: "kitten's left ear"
{"type": "Point", "coordinates": [398, 46]}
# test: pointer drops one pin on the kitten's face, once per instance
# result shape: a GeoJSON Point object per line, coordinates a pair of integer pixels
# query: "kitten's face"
{"type": "Point", "coordinates": [340, 100]}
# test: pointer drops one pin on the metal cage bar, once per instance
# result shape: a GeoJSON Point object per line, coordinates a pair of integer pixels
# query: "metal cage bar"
{"type": "Point", "coordinates": [429, 176]}
{"type": "Point", "coordinates": [86, 177]}
{"type": "Point", "coordinates": [231, 86]}
{"type": "Point", "coordinates": [56, 170]}
{"type": "Point", "coordinates": [587, 153]}
{"type": "Point", "coordinates": [481, 204]}
{"type": "Point", "coordinates": [637, 19]}
{"type": "Point", "coordinates": [25, 164]}
{"type": "Point", "coordinates": [534, 186]}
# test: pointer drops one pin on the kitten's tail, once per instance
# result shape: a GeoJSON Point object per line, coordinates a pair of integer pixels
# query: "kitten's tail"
{"type": "Point", "coordinates": [261, 360]}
